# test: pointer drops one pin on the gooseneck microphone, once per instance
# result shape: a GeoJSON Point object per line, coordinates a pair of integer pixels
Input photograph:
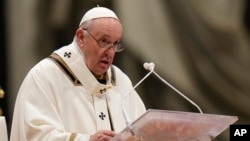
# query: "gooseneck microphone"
{"type": "Point", "coordinates": [124, 112]}
{"type": "Point", "coordinates": [150, 67]}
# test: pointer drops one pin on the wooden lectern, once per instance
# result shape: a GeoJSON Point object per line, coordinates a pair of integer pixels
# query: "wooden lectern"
{"type": "Point", "coordinates": [163, 125]}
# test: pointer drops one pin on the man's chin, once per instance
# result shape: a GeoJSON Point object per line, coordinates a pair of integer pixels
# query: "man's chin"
{"type": "Point", "coordinates": [102, 70]}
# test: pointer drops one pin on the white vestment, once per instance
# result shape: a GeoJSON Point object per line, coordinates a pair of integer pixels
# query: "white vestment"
{"type": "Point", "coordinates": [61, 100]}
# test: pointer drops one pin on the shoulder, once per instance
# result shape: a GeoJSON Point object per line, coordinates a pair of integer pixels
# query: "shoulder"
{"type": "Point", "coordinates": [118, 72]}
{"type": "Point", "coordinates": [44, 65]}
{"type": "Point", "coordinates": [46, 69]}
{"type": "Point", "coordinates": [120, 77]}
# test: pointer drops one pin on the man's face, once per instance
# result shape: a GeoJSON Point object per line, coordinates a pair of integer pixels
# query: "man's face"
{"type": "Point", "coordinates": [103, 30]}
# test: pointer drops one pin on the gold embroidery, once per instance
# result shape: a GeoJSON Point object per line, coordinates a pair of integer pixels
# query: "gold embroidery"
{"type": "Point", "coordinates": [56, 58]}
{"type": "Point", "coordinates": [72, 137]}
{"type": "Point", "coordinates": [110, 116]}
{"type": "Point", "coordinates": [65, 68]}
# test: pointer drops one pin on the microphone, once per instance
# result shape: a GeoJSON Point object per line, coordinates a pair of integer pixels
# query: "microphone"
{"type": "Point", "coordinates": [150, 67]}
{"type": "Point", "coordinates": [124, 112]}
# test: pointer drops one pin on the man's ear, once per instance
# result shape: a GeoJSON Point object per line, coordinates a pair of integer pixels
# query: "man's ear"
{"type": "Point", "coordinates": [80, 37]}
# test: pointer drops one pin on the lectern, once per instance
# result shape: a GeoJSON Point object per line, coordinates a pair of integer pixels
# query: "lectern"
{"type": "Point", "coordinates": [163, 125]}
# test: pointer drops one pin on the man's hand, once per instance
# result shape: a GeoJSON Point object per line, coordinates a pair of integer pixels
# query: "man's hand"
{"type": "Point", "coordinates": [102, 135]}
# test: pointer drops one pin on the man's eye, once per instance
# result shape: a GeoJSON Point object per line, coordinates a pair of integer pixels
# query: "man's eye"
{"type": "Point", "coordinates": [103, 42]}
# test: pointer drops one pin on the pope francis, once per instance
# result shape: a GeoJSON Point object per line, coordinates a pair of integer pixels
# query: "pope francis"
{"type": "Point", "coordinates": [76, 94]}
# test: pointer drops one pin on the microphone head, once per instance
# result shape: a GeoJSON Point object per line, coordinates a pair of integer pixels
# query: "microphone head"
{"type": "Point", "coordinates": [149, 66]}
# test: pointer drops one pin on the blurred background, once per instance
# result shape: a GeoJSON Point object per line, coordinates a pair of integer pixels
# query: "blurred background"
{"type": "Point", "coordinates": [201, 47]}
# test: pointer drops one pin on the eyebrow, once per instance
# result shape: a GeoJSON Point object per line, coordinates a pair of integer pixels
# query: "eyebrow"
{"type": "Point", "coordinates": [104, 36]}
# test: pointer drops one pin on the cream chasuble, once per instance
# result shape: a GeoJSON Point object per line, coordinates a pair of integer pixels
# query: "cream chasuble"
{"type": "Point", "coordinates": [101, 112]}
{"type": "Point", "coordinates": [98, 90]}
{"type": "Point", "coordinates": [60, 99]}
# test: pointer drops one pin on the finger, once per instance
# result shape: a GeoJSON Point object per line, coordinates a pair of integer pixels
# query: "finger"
{"type": "Point", "coordinates": [109, 133]}
{"type": "Point", "coordinates": [107, 138]}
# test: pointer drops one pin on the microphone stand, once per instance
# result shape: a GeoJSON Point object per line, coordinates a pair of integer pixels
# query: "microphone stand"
{"type": "Point", "coordinates": [150, 67]}
{"type": "Point", "coordinates": [124, 112]}
{"type": "Point", "coordinates": [177, 91]}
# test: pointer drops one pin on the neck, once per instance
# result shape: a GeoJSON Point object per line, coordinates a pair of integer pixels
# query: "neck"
{"type": "Point", "coordinates": [101, 78]}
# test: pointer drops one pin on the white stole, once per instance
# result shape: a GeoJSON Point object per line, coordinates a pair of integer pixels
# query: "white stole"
{"type": "Point", "coordinates": [72, 56]}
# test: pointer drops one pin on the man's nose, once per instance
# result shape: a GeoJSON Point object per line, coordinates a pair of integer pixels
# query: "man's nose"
{"type": "Point", "coordinates": [111, 49]}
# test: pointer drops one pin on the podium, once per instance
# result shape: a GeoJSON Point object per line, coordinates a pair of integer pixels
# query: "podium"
{"type": "Point", "coordinates": [163, 125]}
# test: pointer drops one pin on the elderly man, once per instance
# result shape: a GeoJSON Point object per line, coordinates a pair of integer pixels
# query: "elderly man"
{"type": "Point", "coordinates": [76, 94]}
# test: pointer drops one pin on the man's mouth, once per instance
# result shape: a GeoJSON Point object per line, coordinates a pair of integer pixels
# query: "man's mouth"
{"type": "Point", "coordinates": [104, 63]}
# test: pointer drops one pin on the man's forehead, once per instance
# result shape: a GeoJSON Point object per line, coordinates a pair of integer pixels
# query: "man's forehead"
{"type": "Point", "coordinates": [105, 22]}
{"type": "Point", "coordinates": [106, 27]}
